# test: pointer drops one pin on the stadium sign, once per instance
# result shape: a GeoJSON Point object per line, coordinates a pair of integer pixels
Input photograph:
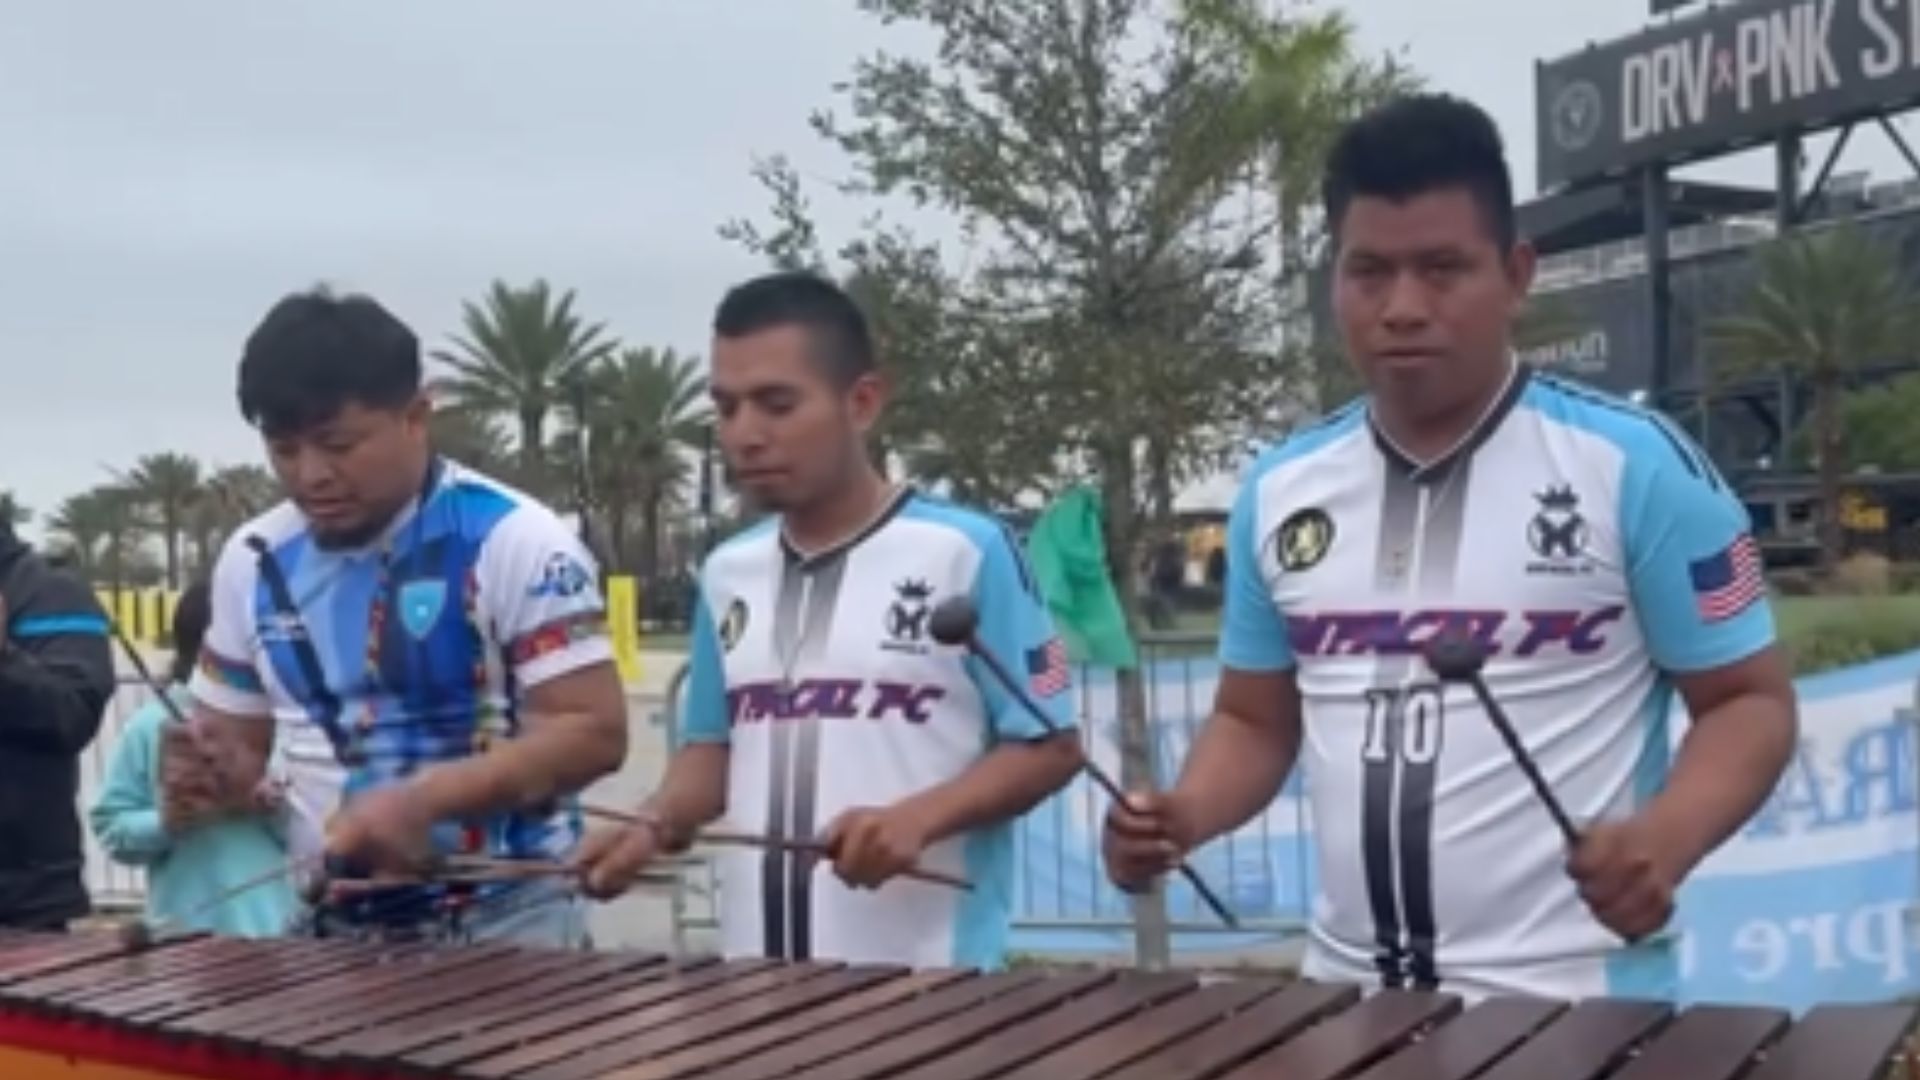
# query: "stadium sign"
{"type": "Point", "coordinates": [1711, 83]}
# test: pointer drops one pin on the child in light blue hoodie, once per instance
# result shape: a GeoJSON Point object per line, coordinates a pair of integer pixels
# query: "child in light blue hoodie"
{"type": "Point", "coordinates": [189, 864]}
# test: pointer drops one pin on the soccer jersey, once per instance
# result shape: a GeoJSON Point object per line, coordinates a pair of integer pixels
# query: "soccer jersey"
{"type": "Point", "coordinates": [1596, 553]}
{"type": "Point", "coordinates": [427, 640]}
{"type": "Point", "coordinates": [822, 677]}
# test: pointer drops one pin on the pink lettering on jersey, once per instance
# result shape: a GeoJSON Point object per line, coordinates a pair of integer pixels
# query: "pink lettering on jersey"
{"type": "Point", "coordinates": [832, 699]}
{"type": "Point", "coordinates": [1404, 633]}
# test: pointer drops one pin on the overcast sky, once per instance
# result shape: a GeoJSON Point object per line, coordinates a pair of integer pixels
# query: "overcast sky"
{"type": "Point", "coordinates": [167, 170]}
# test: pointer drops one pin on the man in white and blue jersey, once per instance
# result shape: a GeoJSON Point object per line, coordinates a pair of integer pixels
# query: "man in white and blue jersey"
{"type": "Point", "coordinates": [818, 706]}
{"type": "Point", "coordinates": [1585, 542]}
{"type": "Point", "coordinates": [429, 644]}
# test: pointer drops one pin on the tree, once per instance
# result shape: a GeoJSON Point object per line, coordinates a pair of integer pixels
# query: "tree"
{"type": "Point", "coordinates": [11, 510]}
{"type": "Point", "coordinates": [1116, 305]}
{"type": "Point", "coordinates": [1879, 427]}
{"type": "Point", "coordinates": [473, 439]}
{"type": "Point", "coordinates": [167, 486]}
{"type": "Point", "coordinates": [645, 410]}
{"type": "Point", "coordinates": [101, 527]}
{"type": "Point", "coordinates": [1824, 305]}
{"type": "Point", "coordinates": [514, 360]}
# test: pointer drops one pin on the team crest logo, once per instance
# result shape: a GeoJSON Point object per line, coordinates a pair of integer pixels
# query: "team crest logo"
{"type": "Point", "coordinates": [421, 603]}
{"type": "Point", "coordinates": [1558, 531]}
{"type": "Point", "coordinates": [1577, 113]}
{"type": "Point", "coordinates": [1303, 539]}
{"type": "Point", "coordinates": [734, 625]}
{"type": "Point", "coordinates": [907, 617]}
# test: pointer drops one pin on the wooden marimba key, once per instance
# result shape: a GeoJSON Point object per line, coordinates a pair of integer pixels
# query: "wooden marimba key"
{"type": "Point", "coordinates": [82, 1006]}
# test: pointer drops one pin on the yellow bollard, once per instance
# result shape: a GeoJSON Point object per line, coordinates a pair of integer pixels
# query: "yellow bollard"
{"type": "Point", "coordinates": [623, 625]}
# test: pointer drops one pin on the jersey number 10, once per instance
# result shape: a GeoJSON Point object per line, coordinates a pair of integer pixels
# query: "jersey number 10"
{"type": "Point", "coordinates": [1409, 720]}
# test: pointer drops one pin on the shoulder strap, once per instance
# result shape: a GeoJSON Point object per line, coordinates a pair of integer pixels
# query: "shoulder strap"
{"type": "Point", "coordinates": [326, 710]}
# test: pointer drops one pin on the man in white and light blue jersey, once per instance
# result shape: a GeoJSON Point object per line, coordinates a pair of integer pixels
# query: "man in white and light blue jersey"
{"type": "Point", "coordinates": [818, 705]}
{"type": "Point", "coordinates": [1585, 542]}
{"type": "Point", "coordinates": [429, 645]}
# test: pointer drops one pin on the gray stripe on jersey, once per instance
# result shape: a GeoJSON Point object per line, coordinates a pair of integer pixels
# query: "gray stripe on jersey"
{"type": "Point", "coordinates": [1402, 756]}
{"type": "Point", "coordinates": [1380, 757]}
{"type": "Point", "coordinates": [1438, 561]}
{"type": "Point", "coordinates": [821, 605]}
{"type": "Point", "coordinates": [774, 905]}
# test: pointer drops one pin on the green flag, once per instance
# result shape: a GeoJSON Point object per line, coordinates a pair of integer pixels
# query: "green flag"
{"type": "Point", "coordinates": [1069, 558]}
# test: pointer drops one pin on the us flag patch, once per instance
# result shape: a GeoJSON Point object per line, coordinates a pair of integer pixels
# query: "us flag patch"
{"type": "Point", "coordinates": [1727, 583]}
{"type": "Point", "coordinates": [1047, 668]}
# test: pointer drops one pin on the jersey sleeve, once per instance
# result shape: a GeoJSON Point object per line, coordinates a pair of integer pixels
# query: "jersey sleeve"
{"type": "Point", "coordinates": [541, 590]}
{"type": "Point", "coordinates": [227, 676]}
{"type": "Point", "coordinates": [1016, 628]}
{"type": "Point", "coordinates": [1253, 632]}
{"type": "Point", "coordinates": [1694, 571]}
{"type": "Point", "coordinates": [703, 701]}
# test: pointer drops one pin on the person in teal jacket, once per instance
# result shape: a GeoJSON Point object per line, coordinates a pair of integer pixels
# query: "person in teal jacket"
{"type": "Point", "coordinates": [188, 863]}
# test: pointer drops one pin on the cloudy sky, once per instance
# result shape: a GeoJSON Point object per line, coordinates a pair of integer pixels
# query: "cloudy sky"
{"type": "Point", "coordinates": [167, 170]}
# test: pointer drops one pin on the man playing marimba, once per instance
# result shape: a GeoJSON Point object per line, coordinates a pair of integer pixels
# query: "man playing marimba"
{"type": "Point", "coordinates": [1588, 544]}
{"type": "Point", "coordinates": [818, 704]}
{"type": "Point", "coordinates": [431, 643]}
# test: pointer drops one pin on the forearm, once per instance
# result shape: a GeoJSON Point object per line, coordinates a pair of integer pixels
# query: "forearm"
{"type": "Point", "coordinates": [1728, 765]}
{"type": "Point", "coordinates": [556, 756]}
{"type": "Point", "coordinates": [1006, 783]}
{"type": "Point", "coordinates": [693, 793]}
{"type": "Point", "coordinates": [134, 836]}
{"type": "Point", "coordinates": [1234, 770]}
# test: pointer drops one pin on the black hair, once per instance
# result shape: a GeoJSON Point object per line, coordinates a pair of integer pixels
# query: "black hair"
{"type": "Point", "coordinates": [842, 343]}
{"type": "Point", "coordinates": [316, 353]}
{"type": "Point", "coordinates": [1417, 144]}
{"type": "Point", "coordinates": [192, 614]}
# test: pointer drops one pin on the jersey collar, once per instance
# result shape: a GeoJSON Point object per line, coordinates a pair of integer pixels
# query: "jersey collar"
{"type": "Point", "coordinates": [1518, 375]}
{"type": "Point", "coordinates": [807, 561]}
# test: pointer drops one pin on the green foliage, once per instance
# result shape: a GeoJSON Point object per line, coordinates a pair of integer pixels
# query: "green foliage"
{"type": "Point", "coordinates": [11, 510]}
{"type": "Point", "coordinates": [167, 487]}
{"type": "Point", "coordinates": [519, 350]}
{"type": "Point", "coordinates": [1826, 632]}
{"type": "Point", "coordinates": [1824, 305]}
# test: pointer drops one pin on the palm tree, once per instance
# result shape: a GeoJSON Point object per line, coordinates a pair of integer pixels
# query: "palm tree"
{"type": "Point", "coordinates": [168, 486]}
{"type": "Point", "coordinates": [101, 526]}
{"type": "Point", "coordinates": [78, 525]}
{"type": "Point", "coordinates": [515, 358]}
{"type": "Point", "coordinates": [1302, 81]}
{"type": "Point", "coordinates": [233, 495]}
{"type": "Point", "coordinates": [1824, 305]}
{"type": "Point", "coordinates": [644, 409]}
{"type": "Point", "coordinates": [473, 439]}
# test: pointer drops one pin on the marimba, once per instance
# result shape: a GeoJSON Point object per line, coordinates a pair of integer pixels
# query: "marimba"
{"type": "Point", "coordinates": [82, 1008]}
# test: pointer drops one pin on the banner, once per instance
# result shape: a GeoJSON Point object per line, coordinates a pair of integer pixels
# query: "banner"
{"type": "Point", "coordinates": [1813, 901]}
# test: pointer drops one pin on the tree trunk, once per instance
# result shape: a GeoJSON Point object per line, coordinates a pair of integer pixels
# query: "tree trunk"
{"type": "Point", "coordinates": [1152, 936]}
{"type": "Point", "coordinates": [171, 523]}
{"type": "Point", "coordinates": [650, 533]}
{"type": "Point", "coordinates": [1827, 436]}
{"type": "Point", "coordinates": [532, 451]}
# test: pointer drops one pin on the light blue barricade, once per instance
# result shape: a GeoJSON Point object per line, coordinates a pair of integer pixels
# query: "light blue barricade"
{"type": "Point", "coordinates": [1815, 901]}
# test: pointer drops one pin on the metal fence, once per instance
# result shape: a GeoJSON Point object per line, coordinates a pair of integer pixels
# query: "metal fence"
{"type": "Point", "coordinates": [1062, 899]}
{"type": "Point", "coordinates": [113, 886]}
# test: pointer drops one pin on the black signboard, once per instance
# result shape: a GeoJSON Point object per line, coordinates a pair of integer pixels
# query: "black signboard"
{"type": "Point", "coordinates": [1661, 7]}
{"type": "Point", "coordinates": [1715, 81]}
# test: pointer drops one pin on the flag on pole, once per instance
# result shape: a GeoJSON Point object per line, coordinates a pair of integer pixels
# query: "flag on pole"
{"type": "Point", "coordinates": [1069, 558]}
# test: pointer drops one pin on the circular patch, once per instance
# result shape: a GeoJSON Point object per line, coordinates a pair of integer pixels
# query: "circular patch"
{"type": "Point", "coordinates": [1303, 539]}
{"type": "Point", "coordinates": [734, 625]}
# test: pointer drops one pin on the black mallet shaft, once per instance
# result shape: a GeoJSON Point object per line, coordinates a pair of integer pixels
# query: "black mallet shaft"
{"type": "Point", "coordinates": [954, 622]}
{"type": "Point", "coordinates": [1456, 656]}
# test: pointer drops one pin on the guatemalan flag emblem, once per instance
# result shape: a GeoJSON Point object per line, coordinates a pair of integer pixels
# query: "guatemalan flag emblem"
{"type": "Point", "coordinates": [421, 603]}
